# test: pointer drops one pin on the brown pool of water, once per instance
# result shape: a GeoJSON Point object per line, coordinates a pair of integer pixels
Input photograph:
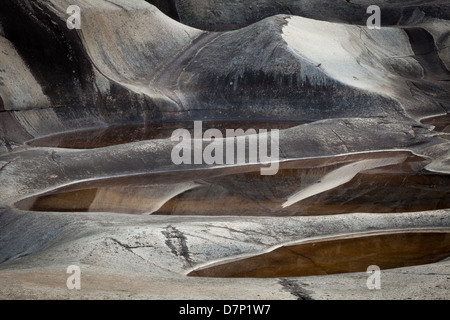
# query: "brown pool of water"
{"type": "Point", "coordinates": [216, 192]}
{"type": "Point", "coordinates": [121, 134]}
{"type": "Point", "coordinates": [338, 254]}
{"type": "Point", "coordinates": [371, 193]}
{"type": "Point", "coordinates": [441, 123]}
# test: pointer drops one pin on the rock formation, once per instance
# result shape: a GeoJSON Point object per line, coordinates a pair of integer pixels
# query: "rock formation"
{"type": "Point", "coordinates": [86, 118]}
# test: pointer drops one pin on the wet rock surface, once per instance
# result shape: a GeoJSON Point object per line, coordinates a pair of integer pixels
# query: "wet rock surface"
{"type": "Point", "coordinates": [86, 170]}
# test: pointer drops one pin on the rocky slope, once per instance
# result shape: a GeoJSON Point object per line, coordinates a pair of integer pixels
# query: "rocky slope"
{"type": "Point", "coordinates": [231, 14]}
{"type": "Point", "coordinates": [86, 117]}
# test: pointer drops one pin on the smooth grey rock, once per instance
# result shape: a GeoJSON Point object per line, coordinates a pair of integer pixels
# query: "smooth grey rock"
{"type": "Point", "coordinates": [351, 94]}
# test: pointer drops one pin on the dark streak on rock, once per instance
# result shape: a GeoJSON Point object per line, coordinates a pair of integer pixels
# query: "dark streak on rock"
{"type": "Point", "coordinates": [128, 247]}
{"type": "Point", "coordinates": [18, 256]}
{"type": "Point", "coordinates": [177, 243]}
{"type": "Point", "coordinates": [25, 109]}
{"type": "Point", "coordinates": [55, 157]}
{"type": "Point", "coordinates": [4, 165]}
{"type": "Point", "coordinates": [294, 288]}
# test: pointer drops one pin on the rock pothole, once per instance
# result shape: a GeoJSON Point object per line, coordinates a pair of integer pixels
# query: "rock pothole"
{"type": "Point", "coordinates": [128, 133]}
{"type": "Point", "coordinates": [333, 187]}
{"type": "Point", "coordinates": [340, 254]}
